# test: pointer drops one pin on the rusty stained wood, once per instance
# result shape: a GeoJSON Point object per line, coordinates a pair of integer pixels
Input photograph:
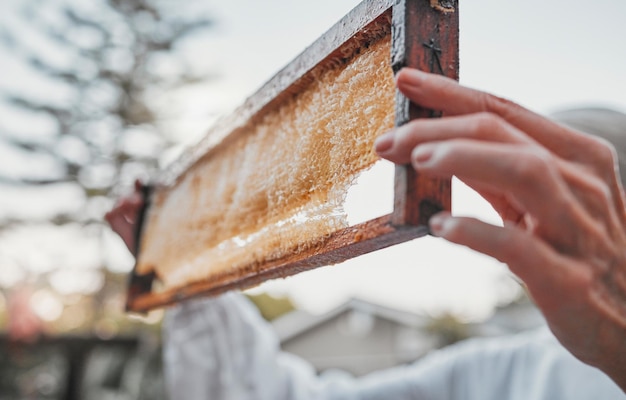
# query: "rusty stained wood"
{"type": "Point", "coordinates": [424, 37]}
{"type": "Point", "coordinates": [360, 239]}
{"type": "Point", "coordinates": [357, 27]}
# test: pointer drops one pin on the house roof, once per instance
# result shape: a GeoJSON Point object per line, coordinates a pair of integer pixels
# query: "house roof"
{"type": "Point", "coordinates": [297, 322]}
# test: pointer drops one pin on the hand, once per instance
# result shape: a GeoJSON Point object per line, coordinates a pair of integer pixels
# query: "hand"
{"type": "Point", "coordinates": [123, 217]}
{"type": "Point", "coordinates": [558, 193]}
{"type": "Point", "coordinates": [24, 325]}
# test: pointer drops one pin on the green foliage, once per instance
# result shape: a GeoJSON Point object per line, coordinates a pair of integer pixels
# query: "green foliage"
{"type": "Point", "coordinates": [272, 307]}
{"type": "Point", "coordinates": [449, 328]}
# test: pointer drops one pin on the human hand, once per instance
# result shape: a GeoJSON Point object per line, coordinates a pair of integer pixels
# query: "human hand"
{"type": "Point", "coordinates": [124, 216]}
{"type": "Point", "coordinates": [558, 193]}
{"type": "Point", "coordinates": [24, 325]}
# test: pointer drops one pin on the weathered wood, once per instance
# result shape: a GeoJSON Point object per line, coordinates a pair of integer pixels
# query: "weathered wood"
{"type": "Point", "coordinates": [342, 245]}
{"type": "Point", "coordinates": [425, 37]}
{"type": "Point", "coordinates": [139, 285]}
{"type": "Point", "coordinates": [354, 31]}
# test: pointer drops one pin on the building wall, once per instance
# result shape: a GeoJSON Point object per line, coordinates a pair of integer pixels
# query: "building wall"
{"type": "Point", "coordinates": [359, 343]}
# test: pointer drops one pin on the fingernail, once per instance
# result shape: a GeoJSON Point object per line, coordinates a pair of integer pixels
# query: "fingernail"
{"type": "Point", "coordinates": [411, 77]}
{"type": "Point", "coordinates": [384, 142]}
{"type": "Point", "coordinates": [421, 155]}
{"type": "Point", "coordinates": [437, 223]}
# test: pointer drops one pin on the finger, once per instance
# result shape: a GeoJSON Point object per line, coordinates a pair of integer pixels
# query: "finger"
{"type": "Point", "coordinates": [583, 206]}
{"type": "Point", "coordinates": [500, 167]}
{"type": "Point", "coordinates": [438, 92]}
{"type": "Point", "coordinates": [441, 93]}
{"type": "Point", "coordinates": [593, 190]}
{"type": "Point", "coordinates": [444, 94]}
{"type": "Point", "coordinates": [130, 207]}
{"type": "Point", "coordinates": [525, 254]}
{"type": "Point", "coordinates": [123, 228]}
{"type": "Point", "coordinates": [554, 281]}
{"type": "Point", "coordinates": [600, 203]}
{"type": "Point", "coordinates": [507, 207]}
{"type": "Point", "coordinates": [397, 145]}
{"type": "Point", "coordinates": [138, 185]}
{"type": "Point", "coordinates": [528, 175]}
{"type": "Point", "coordinates": [604, 163]}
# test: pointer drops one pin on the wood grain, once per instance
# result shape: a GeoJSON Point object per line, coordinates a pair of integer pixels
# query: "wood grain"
{"type": "Point", "coordinates": [340, 246]}
{"type": "Point", "coordinates": [424, 37]}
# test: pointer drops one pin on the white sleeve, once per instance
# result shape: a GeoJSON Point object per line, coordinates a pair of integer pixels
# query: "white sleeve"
{"type": "Point", "coordinates": [222, 349]}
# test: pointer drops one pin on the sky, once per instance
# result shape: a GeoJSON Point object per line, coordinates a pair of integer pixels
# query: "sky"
{"type": "Point", "coordinates": [540, 54]}
{"type": "Point", "coordinates": [547, 56]}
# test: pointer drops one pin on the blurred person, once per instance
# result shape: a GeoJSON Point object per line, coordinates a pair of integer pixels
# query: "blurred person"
{"type": "Point", "coordinates": [24, 324]}
{"type": "Point", "coordinates": [560, 197]}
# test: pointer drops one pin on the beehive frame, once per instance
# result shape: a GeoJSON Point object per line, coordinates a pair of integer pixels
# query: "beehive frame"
{"type": "Point", "coordinates": [424, 35]}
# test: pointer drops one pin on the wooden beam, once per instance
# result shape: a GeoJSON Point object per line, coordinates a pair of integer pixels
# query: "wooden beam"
{"type": "Point", "coordinates": [340, 246]}
{"type": "Point", "coordinates": [427, 38]}
{"type": "Point", "coordinates": [425, 35]}
{"type": "Point", "coordinates": [354, 30]}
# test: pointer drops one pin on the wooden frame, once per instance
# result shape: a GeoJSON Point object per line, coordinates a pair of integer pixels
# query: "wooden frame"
{"type": "Point", "coordinates": [425, 36]}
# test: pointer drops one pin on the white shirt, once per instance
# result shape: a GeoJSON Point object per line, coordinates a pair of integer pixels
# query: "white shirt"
{"type": "Point", "coordinates": [221, 349]}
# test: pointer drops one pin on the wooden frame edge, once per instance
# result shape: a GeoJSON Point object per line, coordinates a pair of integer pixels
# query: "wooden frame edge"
{"type": "Point", "coordinates": [284, 82]}
{"type": "Point", "coordinates": [363, 238]}
{"type": "Point", "coordinates": [424, 37]}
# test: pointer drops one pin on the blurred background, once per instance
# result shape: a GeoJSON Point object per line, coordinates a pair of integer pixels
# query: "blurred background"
{"type": "Point", "coordinates": [94, 95]}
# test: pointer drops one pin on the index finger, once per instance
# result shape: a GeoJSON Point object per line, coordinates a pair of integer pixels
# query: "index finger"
{"type": "Point", "coordinates": [444, 94]}
{"type": "Point", "coordinates": [440, 93]}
